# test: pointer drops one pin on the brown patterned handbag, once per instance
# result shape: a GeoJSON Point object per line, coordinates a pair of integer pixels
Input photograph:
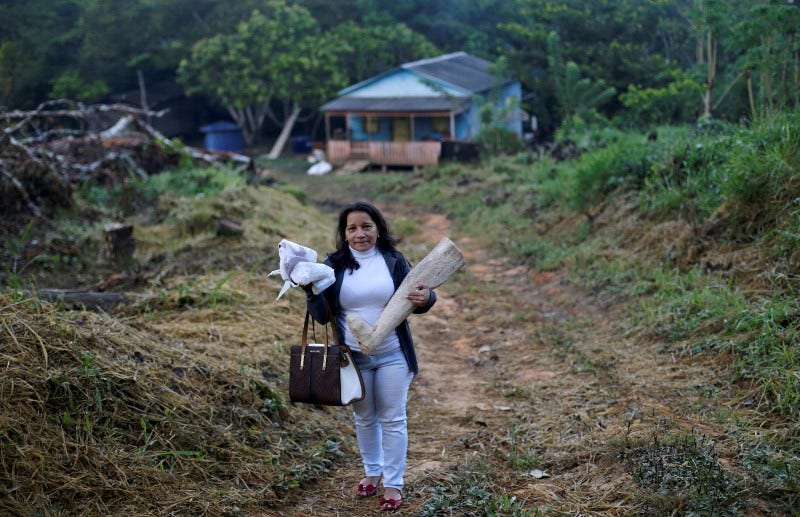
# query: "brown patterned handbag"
{"type": "Point", "coordinates": [323, 374]}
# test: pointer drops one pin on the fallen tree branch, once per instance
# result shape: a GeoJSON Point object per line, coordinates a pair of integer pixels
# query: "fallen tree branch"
{"type": "Point", "coordinates": [43, 111]}
{"type": "Point", "coordinates": [14, 181]}
{"type": "Point", "coordinates": [91, 300]}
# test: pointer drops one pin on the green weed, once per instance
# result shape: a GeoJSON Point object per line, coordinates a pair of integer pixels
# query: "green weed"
{"type": "Point", "coordinates": [763, 171]}
{"type": "Point", "coordinates": [682, 475]}
{"type": "Point", "coordinates": [685, 176]}
{"type": "Point", "coordinates": [775, 472]}
{"type": "Point", "coordinates": [405, 226]}
{"type": "Point", "coordinates": [597, 174]}
{"type": "Point", "coordinates": [190, 182]}
{"type": "Point", "coordinates": [521, 456]}
{"type": "Point", "coordinates": [467, 491]}
{"type": "Point", "coordinates": [297, 192]}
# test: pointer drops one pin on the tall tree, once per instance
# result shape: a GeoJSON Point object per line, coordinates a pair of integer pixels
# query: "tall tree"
{"type": "Point", "coordinates": [708, 18]}
{"type": "Point", "coordinates": [769, 40]}
{"type": "Point", "coordinates": [37, 40]}
{"type": "Point", "coordinates": [468, 25]}
{"type": "Point", "coordinates": [119, 42]}
{"type": "Point", "coordinates": [373, 49]}
{"type": "Point", "coordinates": [274, 64]}
{"type": "Point", "coordinates": [621, 42]}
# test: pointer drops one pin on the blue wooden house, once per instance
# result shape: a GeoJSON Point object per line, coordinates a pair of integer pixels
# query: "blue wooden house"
{"type": "Point", "coordinates": [400, 117]}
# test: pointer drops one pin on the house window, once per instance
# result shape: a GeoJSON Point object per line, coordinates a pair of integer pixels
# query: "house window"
{"type": "Point", "coordinates": [371, 125]}
{"type": "Point", "coordinates": [440, 125]}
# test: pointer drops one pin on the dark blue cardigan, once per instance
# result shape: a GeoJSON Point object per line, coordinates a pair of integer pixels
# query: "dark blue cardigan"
{"type": "Point", "coordinates": [398, 267]}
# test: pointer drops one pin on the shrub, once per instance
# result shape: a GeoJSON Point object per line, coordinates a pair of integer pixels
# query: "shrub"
{"type": "Point", "coordinates": [686, 174]}
{"type": "Point", "coordinates": [498, 140]}
{"type": "Point", "coordinates": [763, 172]}
{"type": "Point", "coordinates": [624, 162]}
{"type": "Point", "coordinates": [675, 102]}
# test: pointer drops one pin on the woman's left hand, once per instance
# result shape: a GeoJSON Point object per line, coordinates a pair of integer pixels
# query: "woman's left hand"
{"type": "Point", "coordinates": [420, 295]}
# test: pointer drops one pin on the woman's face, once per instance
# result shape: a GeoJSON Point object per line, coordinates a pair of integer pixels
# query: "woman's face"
{"type": "Point", "coordinates": [361, 231]}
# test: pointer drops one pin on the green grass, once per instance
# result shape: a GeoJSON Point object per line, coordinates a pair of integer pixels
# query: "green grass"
{"type": "Point", "coordinates": [747, 175]}
{"type": "Point", "coordinates": [762, 332]}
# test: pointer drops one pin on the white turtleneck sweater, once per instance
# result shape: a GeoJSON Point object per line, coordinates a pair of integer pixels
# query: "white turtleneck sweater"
{"type": "Point", "coordinates": [365, 293]}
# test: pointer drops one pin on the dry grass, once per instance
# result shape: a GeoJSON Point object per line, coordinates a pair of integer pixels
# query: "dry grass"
{"type": "Point", "coordinates": [175, 415]}
{"type": "Point", "coordinates": [175, 406]}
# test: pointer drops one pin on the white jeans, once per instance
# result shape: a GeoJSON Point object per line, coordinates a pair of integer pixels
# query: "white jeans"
{"type": "Point", "coordinates": [381, 417]}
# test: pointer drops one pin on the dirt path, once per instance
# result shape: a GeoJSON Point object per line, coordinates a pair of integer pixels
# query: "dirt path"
{"type": "Point", "coordinates": [521, 372]}
{"type": "Point", "coordinates": [450, 403]}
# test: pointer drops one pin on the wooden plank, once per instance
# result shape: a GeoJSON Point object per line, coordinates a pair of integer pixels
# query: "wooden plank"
{"type": "Point", "coordinates": [338, 151]}
{"type": "Point", "coordinates": [78, 299]}
{"type": "Point", "coordinates": [354, 166]}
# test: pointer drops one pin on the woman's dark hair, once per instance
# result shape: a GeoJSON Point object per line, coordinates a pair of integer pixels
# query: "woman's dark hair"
{"type": "Point", "coordinates": [385, 242]}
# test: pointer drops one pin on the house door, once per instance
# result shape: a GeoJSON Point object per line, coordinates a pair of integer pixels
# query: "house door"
{"type": "Point", "coordinates": [401, 129]}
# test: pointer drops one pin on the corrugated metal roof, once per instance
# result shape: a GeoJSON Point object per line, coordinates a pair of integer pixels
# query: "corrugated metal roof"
{"type": "Point", "coordinates": [419, 104]}
{"type": "Point", "coordinates": [459, 69]}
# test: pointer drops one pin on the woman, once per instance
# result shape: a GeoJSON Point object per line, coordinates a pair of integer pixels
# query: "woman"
{"type": "Point", "coordinates": [368, 271]}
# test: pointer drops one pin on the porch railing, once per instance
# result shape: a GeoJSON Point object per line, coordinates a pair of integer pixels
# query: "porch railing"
{"type": "Point", "coordinates": [384, 153]}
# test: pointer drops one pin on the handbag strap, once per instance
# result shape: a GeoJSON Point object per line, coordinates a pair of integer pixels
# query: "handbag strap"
{"type": "Point", "coordinates": [304, 345]}
{"type": "Point", "coordinates": [335, 332]}
{"type": "Point", "coordinates": [304, 339]}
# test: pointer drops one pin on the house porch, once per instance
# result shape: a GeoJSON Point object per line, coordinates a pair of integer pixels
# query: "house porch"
{"type": "Point", "coordinates": [384, 153]}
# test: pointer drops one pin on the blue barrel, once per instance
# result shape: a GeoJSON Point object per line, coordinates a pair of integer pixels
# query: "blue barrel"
{"type": "Point", "coordinates": [301, 144]}
{"type": "Point", "coordinates": [223, 136]}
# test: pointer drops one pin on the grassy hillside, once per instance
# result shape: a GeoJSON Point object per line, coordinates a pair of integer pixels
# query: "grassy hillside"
{"type": "Point", "coordinates": [698, 230]}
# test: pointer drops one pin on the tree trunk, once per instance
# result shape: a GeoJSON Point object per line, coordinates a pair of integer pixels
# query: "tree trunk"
{"type": "Point", "coordinates": [285, 132]}
{"type": "Point", "coordinates": [711, 73]}
{"type": "Point", "coordinates": [120, 243]}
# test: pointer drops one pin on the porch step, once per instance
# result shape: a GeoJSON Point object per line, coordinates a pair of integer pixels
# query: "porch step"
{"type": "Point", "coordinates": [353, 166]}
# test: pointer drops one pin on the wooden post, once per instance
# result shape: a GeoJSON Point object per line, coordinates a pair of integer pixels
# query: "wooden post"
{"type": "Point", "coordinates": [120, 243]}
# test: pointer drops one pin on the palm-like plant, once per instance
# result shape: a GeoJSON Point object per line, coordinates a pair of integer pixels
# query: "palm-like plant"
{"type": "Point", "coordinates": [577, 96]}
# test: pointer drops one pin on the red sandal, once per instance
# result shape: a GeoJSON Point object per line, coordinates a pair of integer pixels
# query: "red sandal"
{"type": "Point", "coordinates": [366, 490]}
{"type": "Point", "coordinates": [391, 504]}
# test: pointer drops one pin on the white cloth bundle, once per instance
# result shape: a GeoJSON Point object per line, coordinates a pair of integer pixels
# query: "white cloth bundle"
{"type": "Point", "coordinates": [298, 266]}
